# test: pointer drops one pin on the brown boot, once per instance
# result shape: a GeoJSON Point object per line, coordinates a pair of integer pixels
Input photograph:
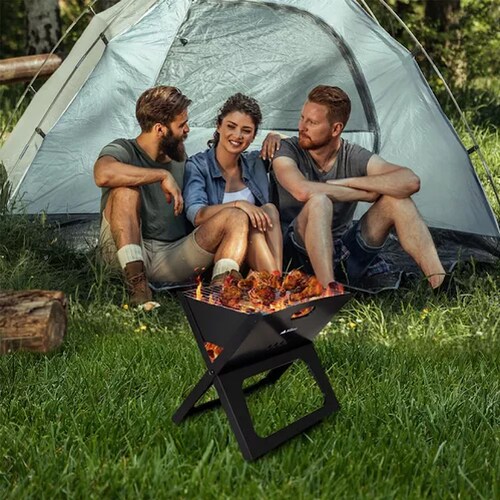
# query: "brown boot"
{"type": "Point", "coordinates": [137, 283]}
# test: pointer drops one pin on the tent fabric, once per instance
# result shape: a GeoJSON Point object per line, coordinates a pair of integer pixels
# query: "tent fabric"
{"type": "Point", "coordinates": [276, 51]}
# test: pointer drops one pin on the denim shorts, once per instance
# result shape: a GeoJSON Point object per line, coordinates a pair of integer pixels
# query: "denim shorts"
{"type": "Point", "coordinates": [353, 257]}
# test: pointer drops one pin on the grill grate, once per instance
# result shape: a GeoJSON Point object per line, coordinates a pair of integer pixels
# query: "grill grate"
{"type": "Point", "coordinates": [211, 295]}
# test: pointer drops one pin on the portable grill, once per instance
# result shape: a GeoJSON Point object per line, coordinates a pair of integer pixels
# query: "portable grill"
{"type": "Point", "coordinates": [253, 343]}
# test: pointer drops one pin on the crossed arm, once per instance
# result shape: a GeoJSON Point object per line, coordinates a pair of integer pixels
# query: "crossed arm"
{"type": "Point", "coordinates": [111, 173]}
{"type": "Point", "coordinates": [383, 178]}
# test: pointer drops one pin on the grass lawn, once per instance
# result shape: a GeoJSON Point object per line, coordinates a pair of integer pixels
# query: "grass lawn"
{"type": "Point", "coordinates": [417, 376]}
{"type": "Point", "coordinates": [418, 379]}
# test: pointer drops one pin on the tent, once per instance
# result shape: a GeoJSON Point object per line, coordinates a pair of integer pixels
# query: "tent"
{"type": "Point", "coordinates": [275, 51]}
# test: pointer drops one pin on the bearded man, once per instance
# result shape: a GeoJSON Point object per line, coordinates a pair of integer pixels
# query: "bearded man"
{"type": "Point", "coordinates": [319, 178]}
{"type": "Point", "coordinates": [143, 227]}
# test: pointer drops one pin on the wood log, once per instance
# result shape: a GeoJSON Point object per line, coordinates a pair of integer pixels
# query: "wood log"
{"type": "Point", "coordinates": [32, 320]}
{"type": "Point", "coordinates": [21, 69]}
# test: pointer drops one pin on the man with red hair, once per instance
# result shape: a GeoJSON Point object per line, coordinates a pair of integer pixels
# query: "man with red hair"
{"type": "Point", "coordinates": [319, 177]}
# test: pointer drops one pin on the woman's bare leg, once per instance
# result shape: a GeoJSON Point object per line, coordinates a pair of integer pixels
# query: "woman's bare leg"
{"type": "Point", "coordinates": [259, 255]}
{"type": "Point", "coordinates": [274, 237]}
{"type": "Point", "coordinates": [265, 249]}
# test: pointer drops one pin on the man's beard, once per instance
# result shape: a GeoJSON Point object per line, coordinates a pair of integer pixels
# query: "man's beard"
{"type": "Point", "coordinates": [308, 144]}
{"type": "Point", "coordinates": [173, 147]}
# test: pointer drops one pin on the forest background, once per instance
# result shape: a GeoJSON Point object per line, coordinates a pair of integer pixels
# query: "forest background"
{"type": "Point", "coordinates": [461, 36]}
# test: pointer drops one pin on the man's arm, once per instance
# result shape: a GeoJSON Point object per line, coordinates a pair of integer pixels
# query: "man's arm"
{"type": "Point", "coordinates": [111, 173]}
{"type": "Point", "coordinates": [383, 178]}
{"type": "Point", "coordinates": [291, 178]}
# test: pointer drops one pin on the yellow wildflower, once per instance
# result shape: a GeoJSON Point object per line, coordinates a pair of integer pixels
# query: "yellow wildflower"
{"type": "Point", "coordinates": [424, 313]}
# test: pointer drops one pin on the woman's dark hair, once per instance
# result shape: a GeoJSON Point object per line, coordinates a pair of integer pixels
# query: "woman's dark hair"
{"type": "Point", "coordinates": [243, 104]}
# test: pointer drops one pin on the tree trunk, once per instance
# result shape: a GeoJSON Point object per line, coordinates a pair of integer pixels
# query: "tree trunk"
{"type": "Point", "coordinates": [32, 320]}
{"type": "Point", "coordinates": [442, 13]}
{"type": "Point", "coordinates": [445, 17]}
{"type": "Point", "coordinates": [43, 25]}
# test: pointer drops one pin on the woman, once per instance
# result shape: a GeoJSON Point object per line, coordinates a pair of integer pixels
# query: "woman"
{"type": "Point", "coordinates": [225, 176]}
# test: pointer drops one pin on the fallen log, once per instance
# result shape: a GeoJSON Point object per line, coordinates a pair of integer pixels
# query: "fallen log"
{"type": "Point", "coordinates": [32, 320]}
{"type": "Point", "coordinates": [21, 69]}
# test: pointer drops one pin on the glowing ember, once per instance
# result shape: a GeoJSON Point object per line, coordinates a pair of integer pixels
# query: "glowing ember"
{"type": "Point", "coordinates": [213, 350]}
{"type": "Point", "coordinates": [303, 312]}
{"type": "Point", "coordinates": [269, 292]}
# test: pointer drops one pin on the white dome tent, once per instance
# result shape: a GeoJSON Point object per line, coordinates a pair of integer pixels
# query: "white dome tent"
{"type": "Point", "coordinates": [275, 51]}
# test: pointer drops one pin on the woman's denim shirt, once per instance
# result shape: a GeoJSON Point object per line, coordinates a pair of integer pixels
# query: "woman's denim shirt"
{"type": "Point", "coordinates": [204, 184]}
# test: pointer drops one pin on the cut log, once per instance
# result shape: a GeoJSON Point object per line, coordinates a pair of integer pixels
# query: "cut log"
{"type": "Point", "coordinates": [32, 320]}
{"type": "Point", "coordinates": [22, 69]}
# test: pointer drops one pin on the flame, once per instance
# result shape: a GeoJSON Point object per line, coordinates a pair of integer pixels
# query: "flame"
{"type": "Point", "coordinates": [334, 288]}
{"type": "Point", "coordinates": [199, 296]}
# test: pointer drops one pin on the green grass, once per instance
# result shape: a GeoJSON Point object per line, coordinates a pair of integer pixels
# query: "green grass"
{"type": "Point", "coordinates": [417, 376]}
{"type": "Point", "coordinates": [418, 416]}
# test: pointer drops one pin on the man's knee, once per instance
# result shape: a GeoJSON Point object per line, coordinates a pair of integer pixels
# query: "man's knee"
{"type": "Point", "coordinates": [390, 203]}
{"type": "Point", "coordinates": [126, 199]}
{"type": "Point", "coordinates": [319, 203]}
{"type": "Point", "coordinates": [318, 207]}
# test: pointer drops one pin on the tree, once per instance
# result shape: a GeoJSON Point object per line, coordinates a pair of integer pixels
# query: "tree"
{"type": "Point", "coordinates": [43, 25]}
{"type": "Point", "coordinates": [443, 14]}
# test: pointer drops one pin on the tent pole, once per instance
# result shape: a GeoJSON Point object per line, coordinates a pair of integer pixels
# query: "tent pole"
{"type": "Point", "coordinates": [450, 93]}
{"type": "Point", "coordinates": [367, 8]}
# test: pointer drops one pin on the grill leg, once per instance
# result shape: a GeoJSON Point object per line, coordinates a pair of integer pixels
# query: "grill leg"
{"type": "Point", "coordinates": [188, 405]}
{"type": "Point", "coordinates": [232, 396]}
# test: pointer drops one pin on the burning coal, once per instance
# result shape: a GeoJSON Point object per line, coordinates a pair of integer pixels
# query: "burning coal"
{"type": "Point", "coordinates": [266, 292]}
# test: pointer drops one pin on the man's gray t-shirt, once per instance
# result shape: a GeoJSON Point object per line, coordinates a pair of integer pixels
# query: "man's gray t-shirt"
{"type": "Point", "coordinates": [158, 221]}
{"type": "Point", "coordinates": [351, 161]}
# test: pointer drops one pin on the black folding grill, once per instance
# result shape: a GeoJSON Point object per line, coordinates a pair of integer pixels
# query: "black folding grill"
{"type": "Point", "coordinates": [252, 343]}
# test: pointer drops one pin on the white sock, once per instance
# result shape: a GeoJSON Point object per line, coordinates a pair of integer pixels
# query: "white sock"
{"type": "Point", "coordinates": [129, 253]}
{"type": "Point", "coordinates": [224, 265]}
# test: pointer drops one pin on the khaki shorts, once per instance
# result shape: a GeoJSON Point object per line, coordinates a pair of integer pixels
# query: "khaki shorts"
{"type": "Point", "coordinates": [164, 261]}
